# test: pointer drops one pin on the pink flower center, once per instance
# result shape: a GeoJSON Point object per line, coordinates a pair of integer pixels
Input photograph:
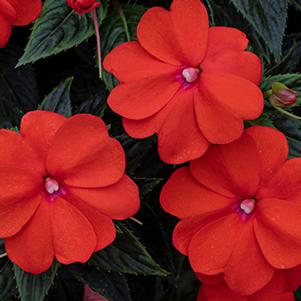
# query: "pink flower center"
{"type": "Point", "coordinates": [191, 74]}
{"type": "Point", "coordinates": [51, 185]}
{"type": "Point", "coordinates": [247, 206]}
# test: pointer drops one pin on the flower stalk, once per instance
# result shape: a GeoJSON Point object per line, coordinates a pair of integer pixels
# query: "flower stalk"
{"type": "Point", "coordinates": [98, 43]}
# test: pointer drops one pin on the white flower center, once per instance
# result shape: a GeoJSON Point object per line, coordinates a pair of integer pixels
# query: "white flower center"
{"type": "Point", "coordinates": [51, 185]}
{"type": "Point", "coordinates": [247, 205]}
{"type": "Point", "coordinates": [190, 74]}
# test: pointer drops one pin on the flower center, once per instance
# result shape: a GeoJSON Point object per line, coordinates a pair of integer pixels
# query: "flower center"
{"type": "Point", "coordinates": [191, 74]}
{"type": "Point", "coordinates": [247, 205]}
{"type": "Point", "coordinates": [51, 185]}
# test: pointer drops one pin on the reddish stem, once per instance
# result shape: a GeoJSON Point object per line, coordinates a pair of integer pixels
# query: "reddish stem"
{"type": "Point", "coordinates": [96, 26]}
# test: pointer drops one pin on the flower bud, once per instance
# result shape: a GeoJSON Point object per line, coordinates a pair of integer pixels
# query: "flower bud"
{"type": "Point", "coordinates": [282, 96]}
{"type": "Point", "coordinates": [83, 6]}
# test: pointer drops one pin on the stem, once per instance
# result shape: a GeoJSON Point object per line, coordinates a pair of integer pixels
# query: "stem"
{"type": "Point", "coordinates": [96, 26]}
{"type": "Point", "coordinates": [291, 115]}
{"type": "Point", "coordinates": [136, 221]}
{"type": "Point", "coordinates": [3, 255]}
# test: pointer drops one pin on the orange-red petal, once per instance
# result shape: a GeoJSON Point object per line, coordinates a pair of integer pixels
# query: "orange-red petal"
{"type": "Point", "coordinates": [156, 35]}
{"type": "Point", "coordinates": [118, 201]}
{"type": "Point", "coordinates": [148, 126]}
{"type": "Point", "coordinates": [274, 290]}
{"type": "Point", "coordinates": [83, 155]}
{"type": "Point", "coordinates": [180, 138]}
{"type": "Point", "coordinates": [287, 297]}
{"type": "Point", "coordinates": [231, 170]}
{"type": "Point", "coordinates": [220, 291]}
{"type": "Point", "coordinates": [17, 185]}
{"type": "Point", "coordinates": [211, 248]}
{"type": "Point", "coordinates": [238, 95]}
{"type": "Point", "coordinates": [183, 196]}
{"type": "Point", "coordinates": [74, 238]}
{"type": "Point", "coordinates": [14, 216]}
{"type": "Point", "coordinates": [272, 148]}
{"type": "Point", "coordinates": [130, 62]}
{"type": "Point", "coordinates": [292, 279]}
{"type": "Point", "coordinates": [39, 128]}
{"type": "Point", "coordinates": [142, 98]}
{"type": "Point", "coordinates": [7, 11]}
{"type": "Point", "coordinates": [285, 183]}
{"type": "Point", "coordinates": [277, 228]}
{"type": "Point", "coordinates": [27, 11]}
{"type": "Point", "coordinates": [243, 64]}
{"type": "Point", "coordinates": [186, 229]}
{"type": "Point", "coordinates": [225, 53]}
{"type": "Point", "coordinates": [32, 248]}
{"type": "Point", "coordinates": [16, 153]}
{"type": "Point", "coordinates": [217, 124]}
{"type": "Point", "coordinates": [103, 225]}
{"type": "Point", "coordinates": [221, 39]}
{"type": "Point", "coordinates": [190, 24]}
{"type": "Point", "coordinates": [241, 272]}
{"type": "Point", "coordinates": [178, 37]}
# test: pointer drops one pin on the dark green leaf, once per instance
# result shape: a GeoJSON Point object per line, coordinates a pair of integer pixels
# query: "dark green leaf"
{"type": "Point", "coordinates": [114, 32]}
{"type": "Point", "coordinates": [292, 80]}
{"type": "Point", "coordinates": [34, 287]}
{"type": "Point", "coordinates": [127, 255]}
{"type": "Point", "coordinates": [296, 3]}
{"type": "Point", "coordinates": [59, 28]}
{"type": "Point", "coordinates": [18, 88]}
{"type": "Point", "coordinates": [113, 286]}
{"type": "Point", "coordinates": [292, 130]}
{"type": "Point", "coordinates": [268, 17]}
{"type": "Point", "coordinates": [147, 184]}
{"type": "Point", "coordinates": [7, 282]}
{"type": "Point", "coordinates": [222, 15]}
{"type": "Point", "coordinates": [9, 114]}
{"type": "Point", "coordinates": [95, 105]}
{"type": "Point", "coordinates": [291, 56]}
{"type": "Point", "coordinates": [59, 99]}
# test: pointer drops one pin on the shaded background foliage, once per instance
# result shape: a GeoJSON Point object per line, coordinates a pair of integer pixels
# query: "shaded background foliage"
{"type": "Point", "coordinates": [57, 72]}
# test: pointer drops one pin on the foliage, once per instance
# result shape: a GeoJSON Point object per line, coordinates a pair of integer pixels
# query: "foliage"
{"type": "Point", "coordinates": [56, 71]}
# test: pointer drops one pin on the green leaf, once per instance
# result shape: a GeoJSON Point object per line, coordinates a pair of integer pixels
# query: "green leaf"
{"type": "Point", "coordinates": [59, 99]}
{"type": "Point", "coordinates": [116, 29]}
{"type": "Point", "coordinates": [296, 3]}
{"type": "Point", "coordinates": [146, 184]}
{"type": "Point", "coordinates": [292, 80]}
{"type": "Point", "coordinates": [34, 287]}
{"type": "Point", "coordinates": [268, 17]}
{"type": "Point", "coordinates": [18, 87]}
{"type": "Point", "coordinates": [94, 105]}
{"type": "Point", "coordinates": [127, 255]}
{"type": "Point", "coordinates": [292, 130]}
{"type": "Point", "coordinates": [113, 286]}
{"type": "Point", "coordinates": [7, 282]}
{"type": "Point", "coordinates": [59, 28]}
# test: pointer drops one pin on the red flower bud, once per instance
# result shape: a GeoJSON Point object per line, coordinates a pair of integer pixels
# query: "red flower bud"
{"type": "Point", "coordinates": [282, 96]}
{"type": "Point", "coordinates": [83, 6]}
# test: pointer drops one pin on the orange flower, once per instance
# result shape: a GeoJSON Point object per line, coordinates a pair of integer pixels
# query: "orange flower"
{"type": "Point", "coordinates": [16, 12]}
{"type": "Point", "coordinates": [191, 84]}
{"type": "Point", "coordinates": [240, 208]}
{"type": "Point", "coordinates": [280, 288]}
{"type": "Point", "coordinates": [62, 182]}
